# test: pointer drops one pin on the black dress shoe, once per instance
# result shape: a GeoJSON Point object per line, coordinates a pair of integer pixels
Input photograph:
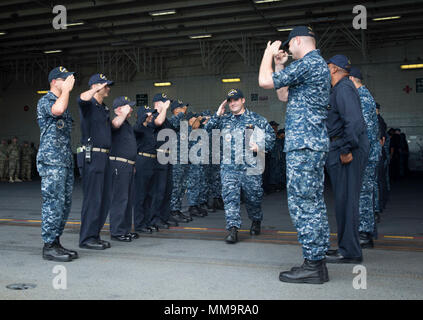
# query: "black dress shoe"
{"type": "Point", "coordinates": [122, 238]}
{"type": "Point", "coordinates": [105, 243]}
{"type": "Point", "coordinates": [325, 271]}
{"type": "Point", "coordinates": [217, 204]}
{"type": "Point", "coordinates": [133, 235]}
{"type": "Point", "coordinates": [338, 258]}
{"type": "Point", "coordinates": [161, 225]}
{"type": "Point", "coordinates": [153, 228]}
{"type": "Point", "coordinates": [73, 254]}
{"type": "Point", "coordinates": [232, 237]}
{"type": "Point", "coordinates": [310, 272]}
{"type": "Point", "coordinates": [210, 205]}
{"type": "Point", "coordinates": [255, 228]}
{"type": "Point", "coordinates": [366, 240]}
{"type": "Point", "coordinates": [94, 245]}
{"type": "Point", "coordinates": [144, 230]}
{"type": "Point", "coordinates": [172, 222]}
{"type": "Point", "coordinates": [377, 217]}
{"type": "Point", "coordinates": [195, 211]}
{"type": "Point", "coordinates": [332, 252]}
{"type": "Point", "coordinates": [52, 252]}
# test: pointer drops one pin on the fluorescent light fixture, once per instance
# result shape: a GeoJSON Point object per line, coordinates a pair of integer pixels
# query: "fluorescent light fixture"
{"type": "Point", "coordinates": [285, 29]}
{"type": "Point", "coordinates": [75, 24]}
{"type": "Point", "coordinates": [162, 84]}
{"type": "Point", "coordinates": [42, 91]}
{"type": "Point", "coordinates": [412, 66]}
{"type": "Point", "coordinates": [201, 36]}
{"type": "Point", "coordinates": [265, 1]}
{"type": "Point", "coordinates": [386, 18]}
{"type": "Point", "coordinates": [2, 33]}
{"type": "Point", "coordinates": [53, 51]}
{"type": "Point", "coordinates": [231, 80]}
{"type": "Point", "coordinates": [162, 13]}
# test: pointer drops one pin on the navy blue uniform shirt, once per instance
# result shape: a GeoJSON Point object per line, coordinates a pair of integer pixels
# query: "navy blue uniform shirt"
{"type": "Point", "coordinates": [345, 120]}
{"type": "Point", "coordinates": [124, 144]}
{"type": "Point", "coordinates": [145, 138]}
{"type": "Point", "coordinates": [95, 123]}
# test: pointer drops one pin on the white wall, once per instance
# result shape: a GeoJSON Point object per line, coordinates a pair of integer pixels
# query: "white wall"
{"type": "Point", "coordinates": [203, 91]}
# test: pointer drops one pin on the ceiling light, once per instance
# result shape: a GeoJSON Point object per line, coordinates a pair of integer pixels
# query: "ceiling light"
{"type": "Point", "coordinates": [231, 80]}
{"type": "Point", "coordinates": [42, 92]}
{"type": "Point", "coordinates": [285, 29]}
{"type": "Point", "coordinates": [75, 24]}
{"type": "Point", "coordinates": [2, 33]}
{"type": "Point", "coordinates": [265, 1]}
{"type": "Point", "coordinates": [162, 84]}
{"type": "Point", "coordinates": [412, 66]}
{"type": "Point", "coordinates": [53, 51]}
{"type": "Point", "coordinates": [202, 36]}
{"type": "Point", "coordinates": [162, 13]}
{"type": "Point", "coordinates": [386, 18]}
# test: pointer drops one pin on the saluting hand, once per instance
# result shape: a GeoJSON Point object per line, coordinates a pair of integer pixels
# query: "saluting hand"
{"type": "Point", "coordinates": [273, 48]}
{"type": "Point", "coordinates": [281, 58]}
{"type": "Point", "coordinates": [68, 83]}
{"type": "Point", "coordinates": [221, 109]}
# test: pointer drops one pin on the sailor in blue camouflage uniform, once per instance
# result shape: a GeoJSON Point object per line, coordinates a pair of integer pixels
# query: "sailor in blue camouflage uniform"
{"type": "Point", "coordinates": [367, 227]}
{"type": "Point", "coordinates": [247, 135]}
{"type": "Point", "coordinates": [206, 183]}
{"type": "Point", "coordinates": [55, 163]}
{"type": "Point", "coordinates": [195, 180]}
{"type": "Point", "coordinates": [305, 84]}
{"type": "Point", "coordinates": [180, 168]}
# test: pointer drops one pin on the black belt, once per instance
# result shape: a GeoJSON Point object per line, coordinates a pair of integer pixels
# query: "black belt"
{"type": "Point", "coordinates": [332, 139]}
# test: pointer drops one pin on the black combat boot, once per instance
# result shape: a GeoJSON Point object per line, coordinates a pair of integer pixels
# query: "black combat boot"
{"type": "Point", "coordinates": [210, 205]}
{"type": "Point", "coordinates": [51, 251]}
{"type": "Point", "coordinates": [220, 204]}
{"type": "Point", "coordinates": [73, 254]}
{"type": "Point", "coordinates": [325, 271]}
{"type": "Point", "coordinates": [178, 216]}
{"type": "Point", "coordinates": [366, 240]}
{"type": "Point", "coordinates": [232, 237]}
{"type": "Point", "coordinates": [195, 211]}
{"type": "Point", "coordinates": [255, 228]}
{"type": "Point", "coordinates": [203, 208]}
{"type": "Point", "coordinates": [310, 272]}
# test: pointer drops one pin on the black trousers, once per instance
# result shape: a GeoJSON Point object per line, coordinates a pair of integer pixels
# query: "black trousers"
{"type": "Point", "coordinates": [346, 183]}
{"type": "Point", "coordinates": [96, 188]}
{"type": "Point", "coordinates": [162, 186]}
{"type": "Point", "coordinates": [143, 191]}
{"type": "Point", "coordinates": [122, 198]}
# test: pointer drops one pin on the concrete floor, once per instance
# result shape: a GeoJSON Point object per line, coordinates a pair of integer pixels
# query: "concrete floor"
{"type": "Point", "coordinates": [193, 262]}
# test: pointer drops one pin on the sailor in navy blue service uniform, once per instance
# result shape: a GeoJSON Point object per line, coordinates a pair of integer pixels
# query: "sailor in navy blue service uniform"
{"type": "Point", "coordinates": [55, 163]}
{"type": "Point", "coordinates": [348, 156]}
{"type": "Point", "coordinates": [93, 161]}
{"type": "Point", "coordinates": [122, 164]}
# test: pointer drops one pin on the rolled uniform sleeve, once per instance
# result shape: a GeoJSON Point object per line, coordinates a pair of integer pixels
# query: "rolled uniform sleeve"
{"type": "Point", "coordinates": [291, 75]}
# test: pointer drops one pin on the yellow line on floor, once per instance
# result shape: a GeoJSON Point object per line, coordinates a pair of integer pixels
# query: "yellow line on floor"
{"type": "Point", "coordinates": [6, 219]}
{"type": "Point", "coordinates": [195, 228]}
{"type": "Point", "coordinates": [399, 237]}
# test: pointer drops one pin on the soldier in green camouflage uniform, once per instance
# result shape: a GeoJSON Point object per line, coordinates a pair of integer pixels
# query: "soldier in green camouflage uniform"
{"type": "Point", "coordinates": [14, 160]}
{"type": "Point", "coordinates": [3, 159]}
{"type": "Point", "coordinates": [27, 154]}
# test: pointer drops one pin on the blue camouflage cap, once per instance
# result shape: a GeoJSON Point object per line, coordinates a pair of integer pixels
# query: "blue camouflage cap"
{"type": "Point", "coordinates": [234, 94]}
{"type": "Point", "coordinates": [300, 31]}
{"type": "Point", "coordinates": [59, 72]}
{"type": "Point", "coordinates": [99, 78]}
{"type": "Point", "coordinates": [356, 73]}
{"type": "Point", "coordinates": [160, 97]}
{"type": "Point", "coordinates": [341, 61]}
{"type": "Point", "coordinates": [122, 101]}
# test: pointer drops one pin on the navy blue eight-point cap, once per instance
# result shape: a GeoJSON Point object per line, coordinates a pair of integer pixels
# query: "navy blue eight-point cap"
{"type": "Point", "coordinates": [122, 101]}
{"type": "Point", "coordinates": [341, 61]}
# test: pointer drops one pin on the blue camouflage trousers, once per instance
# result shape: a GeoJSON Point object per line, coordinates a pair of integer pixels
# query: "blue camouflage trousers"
{"type": "Point", "coordinates": [56, 192]}
{"type": "Point", "coordinates": [232, 182]}
{"type": "Point", "coordinates": [195, 174]}
{"type": "Point", "coordinates": [179, 175]}
{"type": "Point", "coordinates": [367, 200]}
{"type": "Point", "coordinates": [204, 184]}
{"type": "Point", "coordinates": [305, 185]}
